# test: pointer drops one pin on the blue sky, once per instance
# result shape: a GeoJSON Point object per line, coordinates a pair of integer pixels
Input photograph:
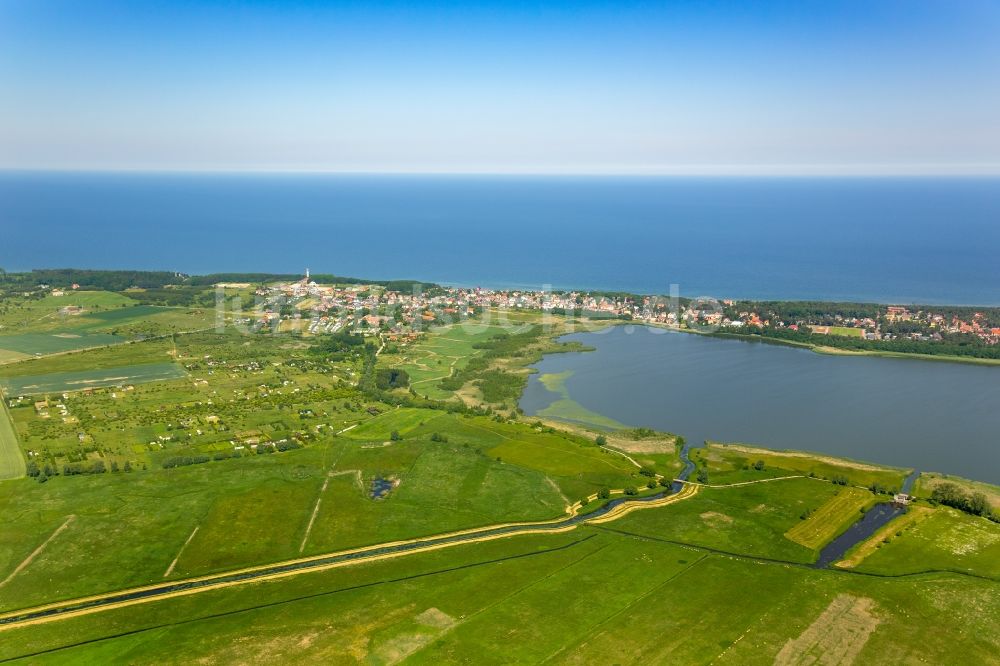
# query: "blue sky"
{"type": "Point", "coordinates": [604, 87]}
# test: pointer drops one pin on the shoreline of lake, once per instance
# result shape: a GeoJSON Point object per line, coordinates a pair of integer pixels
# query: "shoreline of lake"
{"type": "Point", "coordinates": [536, 399]}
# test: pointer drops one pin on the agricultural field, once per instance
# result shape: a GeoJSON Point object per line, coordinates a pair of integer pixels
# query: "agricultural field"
{"type": "Point", "coordinates": [833, 517]}
{"type": "Point", "coordinates": [588, 596]}
{"type": "Point", "coordinates": [11, 459]}
{"type": "Point", "coordinates": [87, 319]}
{"type": "Point", "coordinates": [202, 394]}
{"type": "Point", "coordinates": [207, 452]}
{"type": "Point", "coordinates": [79, 380]}
{"type": "Point", "coordinates": [23, 345]}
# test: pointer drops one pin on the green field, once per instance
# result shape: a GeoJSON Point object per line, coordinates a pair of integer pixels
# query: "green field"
{"type": "Point", "coordinates": [590, 596]}
{"type": "Point", "coordinates": [11, 459]}
{"type": "Point", "coordinates": [32, 327]}
{"type": "Point", "coordinates": [848, 331]}
{"type": "Point", "coordinates": [946, 540]}
{"type": "Point", "coordinates": [51, 343]}
{"type": "Point", "coordinates": [79, 380]}
{"type": "Point", "coordinates": [235, 450]}
{"type": "Point", "coordinates": [732, 463]}
{"type": "Point", "coordinates": [443, 349]}
{"type": "Point", "coordinates": [832, 518]}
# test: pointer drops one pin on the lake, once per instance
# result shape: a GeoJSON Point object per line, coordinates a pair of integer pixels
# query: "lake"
{"type": "Point", "coordinates": [895, 240]}
{"type": "Point", "coordinates": [934, 416]}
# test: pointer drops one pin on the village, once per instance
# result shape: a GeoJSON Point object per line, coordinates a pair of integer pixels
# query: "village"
{"type": "Point", "coordinates": [312, 308]}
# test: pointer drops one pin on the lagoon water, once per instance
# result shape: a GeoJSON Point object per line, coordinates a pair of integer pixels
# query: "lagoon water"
{"type": "Point", "coordinates": [933, 416]}
{"type": "Point", "coordinates": [901, 240]}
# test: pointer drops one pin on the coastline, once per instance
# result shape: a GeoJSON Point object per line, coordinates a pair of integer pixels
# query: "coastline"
{"type": "Point", "coordinates": [833, 351]}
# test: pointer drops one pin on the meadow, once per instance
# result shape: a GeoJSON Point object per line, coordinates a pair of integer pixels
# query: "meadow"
{"type": "Point", "coordinates": [60, 382]}
{"type": "Point", "coordinates": [943, 539]}
{"type": "Point", "coordinates": [733, 463]}
{"type": "Point", "coordinates": [11, 458]}
{"type": "Point", "coordinates": [87, 319]}
{"type": "Point", "coordinates": [261, 449]}
{"type": "Point", "coordinates": [442, 350]}
{"type": "Point", "coordinates": [835, 515]}
{"type": "Point", "coordinates": [588, 596]}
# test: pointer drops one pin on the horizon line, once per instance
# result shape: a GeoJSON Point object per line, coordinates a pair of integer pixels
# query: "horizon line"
{"type": "Point", "coordinates": [966, 170]}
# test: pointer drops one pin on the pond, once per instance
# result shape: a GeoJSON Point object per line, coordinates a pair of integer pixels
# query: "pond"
{"type": "Point", "coordinates": [381, 487]}
{"type": "Point", "coordinates": [928, 415]}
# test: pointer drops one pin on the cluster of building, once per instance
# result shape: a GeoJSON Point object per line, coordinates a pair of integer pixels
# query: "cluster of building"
{"type": "Point", "coordinates": [331, 308]}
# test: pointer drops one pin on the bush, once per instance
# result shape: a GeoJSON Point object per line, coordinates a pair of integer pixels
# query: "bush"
{"type": "Point", "coordinates": [391, 378]}
{"type": "Point", "coordinates": [184, 461]}
{"type": "Point", "coordinates": [952, 495]}
{"type": "Point", "coordinates": [601, 440]}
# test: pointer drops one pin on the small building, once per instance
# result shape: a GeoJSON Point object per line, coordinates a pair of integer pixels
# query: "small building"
{"type": "Point", "coordinates": [901, 498]}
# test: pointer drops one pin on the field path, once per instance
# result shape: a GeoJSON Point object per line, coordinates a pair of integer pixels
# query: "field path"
{"type": "Point", "coordinates": [312, 518]}
{"type": "Point", "coordinates": [173, 564]}
{"type": "Point", "coordinates": [36, 552]}
{"type": "Point", "coordinates": [182, 587]}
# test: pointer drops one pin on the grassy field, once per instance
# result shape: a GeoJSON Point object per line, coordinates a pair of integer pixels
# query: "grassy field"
{"type": "Point", "coordinates": [18, 314]}
{"type": "Point", "coordinates": [11, 459]}
{"type": "Point", "coordinates": [589, 596]}
{"type": "Point", "coordinates": [945, 539]}
{"type": "Point", "coordinates": [32, 327]}
{"type": "Point", "coordinates": [820, 527]}
{"type": "Point", "coordinates": [27, 344]}
{"type": "Point", "coordinates": [848, 331]}
{"type": "Point", "coordinates": [927, 481]}
{"type": "Point", "coordinates": [749, 519]}
{"type": "Point", "coordinates": [257, 509]}
{"type": "Point", "coordinates": [730, 463]}
{"type": "Point", "coordinates": [574, 464]}
{"type": "Point", "coordinates": [84, 379]}
{"type": "Point", "coordinates": [282, 452]}
{"type": "Point", "coordinates": [432, 358]}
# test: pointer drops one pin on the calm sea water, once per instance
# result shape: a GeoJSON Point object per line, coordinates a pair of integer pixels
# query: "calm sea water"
{"type": "Point", "coordinates": [934, 416]}
{"type": "Point", "coordinates": [891, 240]}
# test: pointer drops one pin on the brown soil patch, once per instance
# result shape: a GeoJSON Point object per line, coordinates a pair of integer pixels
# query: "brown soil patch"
{"type": "Point", "coordinates": [795, 454]}
{"type": "Point", "coordinates": [716, 519]}
{"type": "Point", "coordinates": [432, 617]}
{"type": "Point", "coordinates": [615, 440]}
{"type": "Point", "coordinates": [837, 636]}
